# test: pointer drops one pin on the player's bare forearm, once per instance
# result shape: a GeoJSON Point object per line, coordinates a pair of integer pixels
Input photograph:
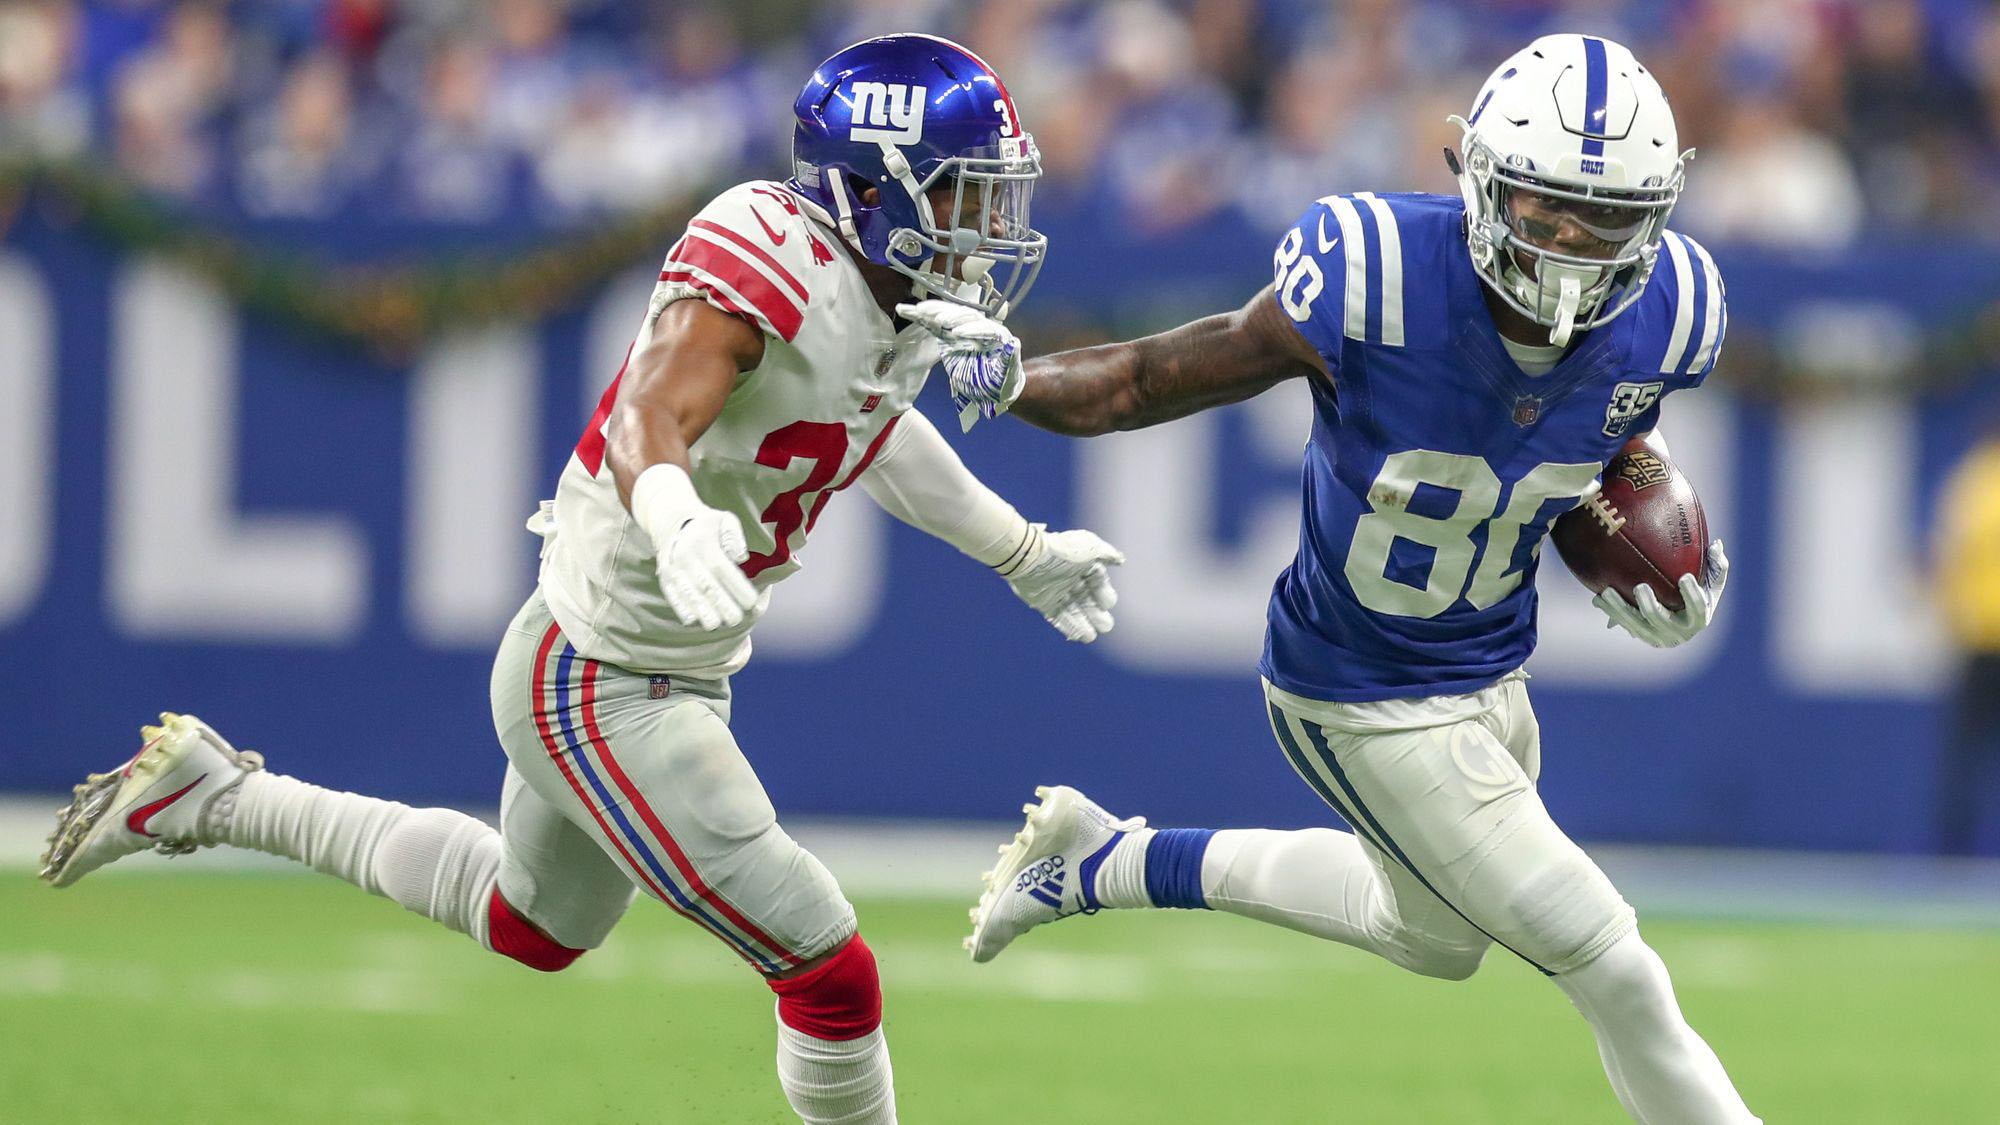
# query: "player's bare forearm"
{"type": "Point", "coordinates": [675, 387]}
{"type": "Point", "coordinates": [1209, 362]}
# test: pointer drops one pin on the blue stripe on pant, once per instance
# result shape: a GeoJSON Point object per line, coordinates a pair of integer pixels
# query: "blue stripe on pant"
{"type": "Point", "coordinates": [1367, 825]}
{"type": "Point", "coordinates": [616, 809]}
{"type": "Point", "coordinates": [1304, 769]}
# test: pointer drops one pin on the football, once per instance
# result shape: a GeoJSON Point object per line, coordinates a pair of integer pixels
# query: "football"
{"type": "Point", "coordinates": [1645, 526]}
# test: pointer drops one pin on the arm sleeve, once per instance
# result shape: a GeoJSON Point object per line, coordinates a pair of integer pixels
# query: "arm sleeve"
{"type": "Point", "coordinates": [918, 478]}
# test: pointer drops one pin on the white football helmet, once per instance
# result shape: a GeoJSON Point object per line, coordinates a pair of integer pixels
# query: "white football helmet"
{"type": "Point", "coordinates": [1569, 165]}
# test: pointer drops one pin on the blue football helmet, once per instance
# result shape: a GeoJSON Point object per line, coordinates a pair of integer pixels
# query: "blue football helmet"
{"type": "Point", "coordinates": [908, 115]}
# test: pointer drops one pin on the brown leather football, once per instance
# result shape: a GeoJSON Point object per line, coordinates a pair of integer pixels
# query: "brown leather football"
{"type": "Point", "coordinates": [1646, 525]}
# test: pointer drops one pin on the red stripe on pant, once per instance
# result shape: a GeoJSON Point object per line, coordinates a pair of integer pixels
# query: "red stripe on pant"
{"type": "Point", "coordinates": [691, 877]}
{"type": "Point", "coordinates": [538, 688]}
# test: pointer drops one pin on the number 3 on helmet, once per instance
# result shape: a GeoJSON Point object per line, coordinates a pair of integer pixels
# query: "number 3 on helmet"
{"type": "Point", "coordinates": [1570, 166]}
{"type": "Point", "coordinates": [910, 115]}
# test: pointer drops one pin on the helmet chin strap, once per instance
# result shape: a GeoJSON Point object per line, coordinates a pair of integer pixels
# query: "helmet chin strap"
{"type": "Point", "coordinates": [844, 213]}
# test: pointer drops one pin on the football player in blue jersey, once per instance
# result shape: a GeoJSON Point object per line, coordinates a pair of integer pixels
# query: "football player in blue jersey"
{"type": "Point", "coordinates": [1474, 363]}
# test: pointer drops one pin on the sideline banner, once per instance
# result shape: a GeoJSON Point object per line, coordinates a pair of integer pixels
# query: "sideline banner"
{"type": "Point", "coordinates": [316, 551]}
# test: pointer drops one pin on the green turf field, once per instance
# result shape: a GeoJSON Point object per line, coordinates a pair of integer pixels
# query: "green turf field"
{"type": "Point", "coordinates": [241, 997]}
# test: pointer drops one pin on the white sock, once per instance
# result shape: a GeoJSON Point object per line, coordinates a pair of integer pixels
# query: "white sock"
{"type": "Point", "coordinates": [837, 1081]}
{"type": "Point", "coordinates": [1663, 1073]}
{"type": "Point", "coordinates": [1121, 881]}
{"type": "Point", "coordinates": [439, 863]}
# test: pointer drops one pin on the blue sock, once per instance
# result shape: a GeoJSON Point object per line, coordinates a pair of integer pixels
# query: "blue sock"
{"type": "Point", "coordinates": [1173, 867]}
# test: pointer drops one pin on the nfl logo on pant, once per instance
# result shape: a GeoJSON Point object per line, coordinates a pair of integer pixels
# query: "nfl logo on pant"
{"type": "Point", "coordinates": [657, 687]}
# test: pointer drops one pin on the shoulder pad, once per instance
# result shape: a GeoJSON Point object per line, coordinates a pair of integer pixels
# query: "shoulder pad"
{"type": "Point", "coordinates": [752, 252]}
{"type": "Point", "coordinates": [1693, 309]}
{"type": "Point", "coordinates": [1370, 247]}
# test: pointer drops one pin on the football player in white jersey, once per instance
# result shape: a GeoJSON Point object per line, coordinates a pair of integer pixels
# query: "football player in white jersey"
{"type": "Point", "coordinates": [770, 372]}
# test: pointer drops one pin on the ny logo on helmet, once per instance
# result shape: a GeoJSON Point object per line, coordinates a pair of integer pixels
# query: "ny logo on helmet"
{"type": "Point", "coordinates": [892, 104]}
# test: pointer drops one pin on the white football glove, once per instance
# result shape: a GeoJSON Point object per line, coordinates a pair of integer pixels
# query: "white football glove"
{"type": "Point", "coordinates": [982, 359]}
{"type": "Point", "coordinates": [1065, 576]}
{"type": "Point", "coordinates": [1645, 618]}
{"type": "Point", "coordinates": [697, 550]}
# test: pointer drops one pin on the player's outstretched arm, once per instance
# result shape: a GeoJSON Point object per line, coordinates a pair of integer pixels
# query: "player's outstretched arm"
{"type": "Point", "coordinates": [918, 478]}
{"type": "Point", "coordinates": [671, 392]}
{"type": "Point", "coordinates": [1209, 362]}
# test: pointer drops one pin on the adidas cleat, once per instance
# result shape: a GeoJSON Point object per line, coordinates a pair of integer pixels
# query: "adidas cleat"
{"type": "Point", "coordinates": [1048, 872]}
{"type": "Point", "coordinates": [177, 784]}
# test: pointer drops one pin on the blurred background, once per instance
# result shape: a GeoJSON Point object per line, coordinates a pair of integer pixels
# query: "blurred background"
{"type": "Point", "coordinates": [303, 304]}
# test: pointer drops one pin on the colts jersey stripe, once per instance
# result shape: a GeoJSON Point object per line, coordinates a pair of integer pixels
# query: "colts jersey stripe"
{"type": "Point", "coordinates": [1683, 303]}
{"type": "Point", "coordinates": [1701, 298]}
{"type": "Point", "coordinates": [1372, 253]}
{"type": "Point", "coordinates": [1390, 238]}
{"type": "Point", "coordinates": [755, 251]}
{"type": "Point", "coordinates": [1711, 331]}
{"type": "Point", "coordinates": [1355, 324]}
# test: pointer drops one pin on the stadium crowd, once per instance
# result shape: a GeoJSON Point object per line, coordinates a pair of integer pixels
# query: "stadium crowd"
{"type": "Point", "coordinates": [1816, 119]}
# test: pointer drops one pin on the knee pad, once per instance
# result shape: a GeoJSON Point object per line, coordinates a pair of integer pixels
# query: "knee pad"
{"type": "Point", "coordinates": [511, 935]}
{"type": "Point", "coordinates": [839, 1000]}
{"type": "Point", "coordinates": [1568, 914]}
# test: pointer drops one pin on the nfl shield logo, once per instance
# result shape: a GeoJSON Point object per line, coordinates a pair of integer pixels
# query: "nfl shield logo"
{"type": "Point", "coordinates": [1526, 410]}
{"type": "Point", "coordinates": [657, 687]}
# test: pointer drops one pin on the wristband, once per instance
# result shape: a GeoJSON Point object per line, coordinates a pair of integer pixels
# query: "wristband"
{"type": "Point", "coordinates": [663, 498]}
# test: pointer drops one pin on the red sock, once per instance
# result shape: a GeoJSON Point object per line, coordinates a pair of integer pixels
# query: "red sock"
{"type": "Point", "coordinates": [839, 1000]}
{"type": "Point", "coordinates": [511, 935]}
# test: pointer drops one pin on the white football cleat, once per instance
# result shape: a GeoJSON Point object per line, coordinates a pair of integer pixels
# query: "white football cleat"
{"type": "Point", "coordinates": [1048, 872]}
{"type": "Point", "coordinates": [161, 799]}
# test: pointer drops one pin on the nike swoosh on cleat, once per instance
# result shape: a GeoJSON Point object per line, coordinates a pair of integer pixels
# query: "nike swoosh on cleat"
{"type": "Point", "coordinates": [144, 814]}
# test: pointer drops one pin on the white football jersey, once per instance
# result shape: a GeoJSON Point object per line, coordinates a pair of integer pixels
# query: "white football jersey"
{"type": "Point", "coordinates": [804, 424]}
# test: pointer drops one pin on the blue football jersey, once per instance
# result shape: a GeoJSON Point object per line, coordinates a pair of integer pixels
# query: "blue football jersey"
{"type": "Point", "coordinates": [1436, 464]}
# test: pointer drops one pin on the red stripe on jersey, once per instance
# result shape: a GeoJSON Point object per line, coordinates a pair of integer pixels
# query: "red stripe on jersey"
{"type": "Point", "coordinates": [729, 266]}
{"type": "Point", "coordinates": [590, 448]}
{"type": "Point", "coordinates": [786, 325]}
{"type": "Point", "coordinates": [767, 300]}
{"type": "Point", "coordinates": [755, 251]}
